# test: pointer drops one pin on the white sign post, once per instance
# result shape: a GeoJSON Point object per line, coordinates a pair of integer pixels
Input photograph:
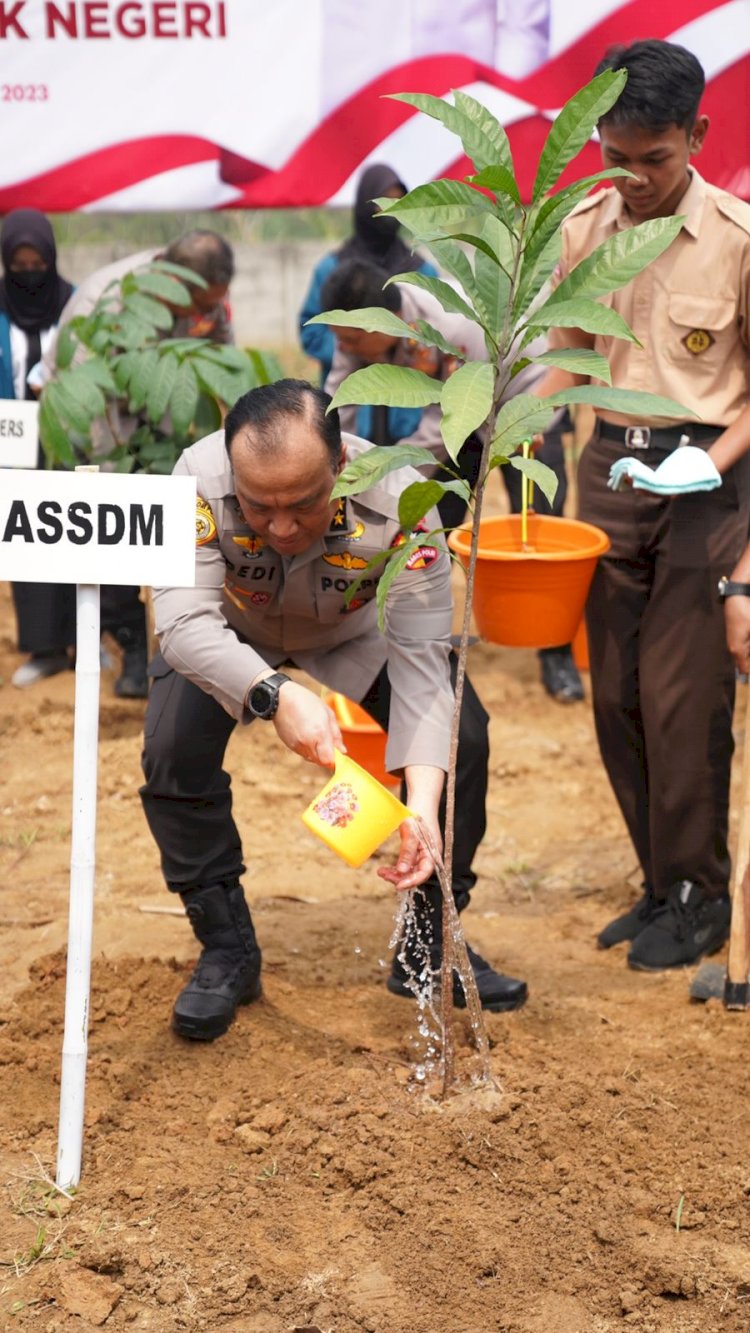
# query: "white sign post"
{"type": "Point", "coordinates": [66, 527]}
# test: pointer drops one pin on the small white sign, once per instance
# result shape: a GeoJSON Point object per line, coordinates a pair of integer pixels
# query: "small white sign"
{"type": "Point", "coordinates": [19, 433]}
{"type": "Point", "coordinates": [97, 527]}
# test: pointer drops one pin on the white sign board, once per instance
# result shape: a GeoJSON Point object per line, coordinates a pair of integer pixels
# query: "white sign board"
{"type": "Point", "coordinates": [19, 433]}
{"type": "Point", "coordinates": [97, 527]}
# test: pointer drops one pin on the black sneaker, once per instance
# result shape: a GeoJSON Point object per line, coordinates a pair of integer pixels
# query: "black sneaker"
{"type": "Point", "coordinates": [560, 676]}
{"type": "Point", "coordinates": [629, 926]}
{"type": "Point", "coordinates": [498, 993]}
{"type": "Point", "coordinates": [681, 930]}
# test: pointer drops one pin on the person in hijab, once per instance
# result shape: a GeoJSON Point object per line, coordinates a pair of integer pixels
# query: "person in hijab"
{"type": "Point", "coordinates": [376, 240]}
{"type": "Point", "coordinates": [32, 295]}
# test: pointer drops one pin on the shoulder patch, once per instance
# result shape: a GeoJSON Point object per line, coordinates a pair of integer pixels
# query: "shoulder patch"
{"type": "Point", "coordinates": [205, 523]}
{"type": "Point", "coordinates": [734, 209]}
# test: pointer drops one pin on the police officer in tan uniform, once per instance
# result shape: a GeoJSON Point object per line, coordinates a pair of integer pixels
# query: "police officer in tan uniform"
{"type": "Point", "coordinates": [275, 557]}
{"type": "Point", "coordinates": [662, 678]}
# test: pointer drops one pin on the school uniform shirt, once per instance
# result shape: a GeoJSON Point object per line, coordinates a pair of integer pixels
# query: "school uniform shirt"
{"type": "Point", "coordinates": [689, 309]}
{"type": "Point", "coordinates": [252, 608]}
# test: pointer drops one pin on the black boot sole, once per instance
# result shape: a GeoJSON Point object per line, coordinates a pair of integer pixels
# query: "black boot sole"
{"type": "Point", "coordinates": [193, 1029]}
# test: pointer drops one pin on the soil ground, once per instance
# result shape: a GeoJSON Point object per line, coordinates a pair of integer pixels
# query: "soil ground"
{"type": "Point", "coordinates": [292, 1176]}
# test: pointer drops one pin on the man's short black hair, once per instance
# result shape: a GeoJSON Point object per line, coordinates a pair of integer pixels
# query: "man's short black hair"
{"type": "Point", "coordinates": [264, 410]}
{"type": "Point", "coordinates": [206, 253]}
{"type": "Point", "coordinates": [355, 284]}
{"type": "Point", "coordinates": [665, 85]}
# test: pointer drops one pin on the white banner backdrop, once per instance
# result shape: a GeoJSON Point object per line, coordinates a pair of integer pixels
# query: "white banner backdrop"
{"type": "Point", "coordinates": [141, 104]}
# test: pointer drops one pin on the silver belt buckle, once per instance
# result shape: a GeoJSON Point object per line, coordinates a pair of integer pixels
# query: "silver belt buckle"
{"type": "Point", "coordinates": [638, 437]}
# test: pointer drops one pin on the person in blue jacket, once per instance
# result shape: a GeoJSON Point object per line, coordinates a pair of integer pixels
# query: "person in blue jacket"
{"type": "Point", "coordinates": [376, 240]}
{"type": "Point", "coordinates": [32, 295]}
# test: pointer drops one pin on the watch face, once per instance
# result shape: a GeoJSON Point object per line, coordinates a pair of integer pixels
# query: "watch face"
{"type": "Point", "coordinates": [262, 699]}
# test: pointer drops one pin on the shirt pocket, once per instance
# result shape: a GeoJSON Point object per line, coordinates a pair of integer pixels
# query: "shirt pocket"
{"type": "Point", "coordinates": [702, 330]}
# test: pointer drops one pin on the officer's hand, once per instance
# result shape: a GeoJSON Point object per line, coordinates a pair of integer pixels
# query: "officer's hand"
{"type": "Point", "coordinates": [414, 864]}
{"type": "Point", "coordinates": [737, 621]}
{"type": "Point", "coordinates": [307, 725]}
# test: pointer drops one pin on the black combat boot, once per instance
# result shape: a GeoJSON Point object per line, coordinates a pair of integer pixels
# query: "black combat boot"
{"type": "Point", "coordinates": [413, 958]}
{"type": "Point", "coordinates": [228, 971]}
{"type": "Point", "coordinates": [133, 680]}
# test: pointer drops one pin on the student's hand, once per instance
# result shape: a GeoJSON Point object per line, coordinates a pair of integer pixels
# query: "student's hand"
{"type": "Point", "coordinates": [306, 725]}
{"type": "Point", "coordinates": [737, 621]}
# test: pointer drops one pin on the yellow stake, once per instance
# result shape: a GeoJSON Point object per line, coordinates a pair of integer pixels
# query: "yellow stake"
{"type": "Point", "coordinates": [527, 495]}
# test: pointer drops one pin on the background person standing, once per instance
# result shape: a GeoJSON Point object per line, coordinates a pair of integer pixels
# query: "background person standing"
{"type": "Point", "coordinates": [32, 297]}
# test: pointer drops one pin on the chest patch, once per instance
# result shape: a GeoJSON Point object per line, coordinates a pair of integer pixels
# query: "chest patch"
{"type": "Point", "coordinates": [345, 560]}
{"type": "Point", "coordinates": [698, 340]}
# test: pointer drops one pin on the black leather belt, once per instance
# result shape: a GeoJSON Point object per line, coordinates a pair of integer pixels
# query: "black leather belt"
{"type": "Point", "coordinates": [652, 437]}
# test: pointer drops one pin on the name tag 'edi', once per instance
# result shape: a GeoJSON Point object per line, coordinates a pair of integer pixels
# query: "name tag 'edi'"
{"type": "Point", "coordinates": [97, 527]}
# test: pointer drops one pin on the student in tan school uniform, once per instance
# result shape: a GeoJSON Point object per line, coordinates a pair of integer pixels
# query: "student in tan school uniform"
{"type": "Point", "coordinates": [662, 677]}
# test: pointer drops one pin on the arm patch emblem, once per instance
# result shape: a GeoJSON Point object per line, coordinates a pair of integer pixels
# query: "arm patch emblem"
{"type": "Point", "coordinates": [205, 523]}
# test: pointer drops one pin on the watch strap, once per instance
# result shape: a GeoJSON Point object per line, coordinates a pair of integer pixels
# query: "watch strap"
{"type": "Point", "coordinates": [732, 588]}
{"type": "Point", "coordinates": [269, 685]}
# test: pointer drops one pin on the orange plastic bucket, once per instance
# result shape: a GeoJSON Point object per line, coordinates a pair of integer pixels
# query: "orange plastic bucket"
{"type": "Point", "coordinates": [363, 736]}
{"type": "Point", "coordinates": [531, 598]}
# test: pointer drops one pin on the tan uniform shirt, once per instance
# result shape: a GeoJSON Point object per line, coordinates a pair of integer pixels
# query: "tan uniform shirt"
{"type": "Point", "coordinates": [689, 309]}
{"type": "Point", "coordinates": [252, 608]}
{"type": "Point", "coordinates": [456, 329]}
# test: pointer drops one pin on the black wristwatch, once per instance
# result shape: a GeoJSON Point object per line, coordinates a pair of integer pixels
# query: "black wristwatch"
{"type": "Point", "coordinates": [263, 698]}
{"type": "Point", "coordinates": [728, 588]}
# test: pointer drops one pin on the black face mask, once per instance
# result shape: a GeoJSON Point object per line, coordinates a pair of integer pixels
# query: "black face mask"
{"type": "Point", "coordinates": [27, 280]}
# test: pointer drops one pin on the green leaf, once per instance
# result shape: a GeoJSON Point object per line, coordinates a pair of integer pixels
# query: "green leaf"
{"type": "Point", "coordinates": [583, 314]}
{"type": "Point", "coordinates": [54, 437]}
{"type": "Point", "coordinates": [483, 137]}
{"type": "Point", "coordinates": [449, 298]}
{"type": "Point", "coordinates": [629, 402]}
{"type": "Point", "coordinates": [578, 360]}
{"type": "Point", "coordinates": [536, 270]}
{"type": "Point", "coordinates": [231, 358]}
{"type": "Point", "coordinates": [466, 402]}
{"type": "Point", "coordinates": [184, 274]}
{"type": "Point", "coordinates": [369, 468]}
{"type": "Point", "coordinates": [541, 475]}
{"type": "Point", "coordinates": [75, 411]}
{"type": "Point", "coordinates": [141, 376]}
{"type": "Point", "coordinates": [492, 278]}
{"type": "Point", "coordinates": [376, 319]}
{"type": "Point", "coordinates": [267, 367]}
{"type": "Point", "coordinates": [165, 287]}
{"type": "Point", "coordinates": [223, 384]}
{"type": "Point", "coordinates": [97, 372]}
{"type": "Point", "coordinates": [575, 125]}
{"type": "Point", "coordinates": [498, 179]}
{"type": "Point", "coordinates": [132, 332]}
{"type": "Point", "coordinates": [77, 384]}
{"type": "Point", "coordinates": [618, 260]}
{"type": "Point", "coordinates": [207, 415]}
{"type": "Point", "coordinates": [422, 496]}
{"type": "Point", "coordinates": [161, 386]}
{"type": "Point", "coordinates": [389, 386]}
{"type": "Point", "coordinates": [66, 347]}
{"type": "Point", "coordinates": [437, 208]}
{"type": "Point", "coordinates": [518, 420]}
{"type": "Point", "coordinates": [123, 367]}
{"type": "Point", "coordinates": [183, 399]}
{"type": "Point", "coordinates": [546, 216]}
{"type": "Point", "coordinates": [149, 310]}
